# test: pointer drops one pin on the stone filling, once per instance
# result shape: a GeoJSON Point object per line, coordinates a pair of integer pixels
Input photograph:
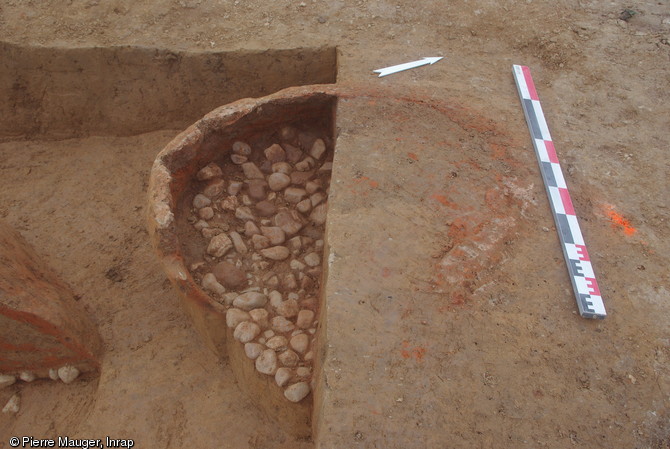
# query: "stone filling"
{"type": "Point", "coordinates": [261, 217]}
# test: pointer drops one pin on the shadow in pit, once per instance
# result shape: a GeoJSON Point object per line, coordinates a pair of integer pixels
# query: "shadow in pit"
{"type": "Point", "coordinates": [60, 93]}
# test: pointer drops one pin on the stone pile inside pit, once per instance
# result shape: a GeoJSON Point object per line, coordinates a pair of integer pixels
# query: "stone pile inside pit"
{"type": "Point", "coordinates": [262, 214]}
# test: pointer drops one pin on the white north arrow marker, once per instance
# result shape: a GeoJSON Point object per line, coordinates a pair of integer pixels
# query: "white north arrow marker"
{"type": "Point", "coordinates": [406, 66]}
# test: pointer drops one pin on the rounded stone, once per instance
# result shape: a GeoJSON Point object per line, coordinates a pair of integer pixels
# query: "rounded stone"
{"type": "Point", "coordinates": [304, 206]}
{"type": "Point", "coordinates": [200, 201]}
{"type": "Point", "coordinates": [275, 298]}
{"type": "Point", "coordinates": [326, 167]}
{"type": "Point", "coordinates": [27, 376]}
{"type": "Point", "coordinates": [312, 186]}
{"type": "Point", "coordinates": [244, 213]}
{"type": "Point", "coordinates": [317, 198]}
{"type": "Point", "coordinates": [253, 350]}
{"type": "Point", "coordinates": [260, 241]}
{"type": "Point", "coordinates": [209, 171]}
{"type": "Point", "coordinates": [295, 244]}
{"type": "Point", "coordinates": [289, 220]}
{"type": "Point", "coordinates": [208, 233]}
{"type": "Point", "coordinates": [257, 189]}
{"type": "Point", "coordinates": [318, 215]}
{"type": "Point", "coordinates": [289, 282]}
{"type": "Point", "coordinates": [272, 282]}
{"type": "Point", "coordinates": [266, 363]}
{"type": "Point", "coordinates": [275, 153]}
{"type": "Point", "coordinates": [246, 331]}
{"type": "Point", "coordinates": [219, 245]}
{"type": "Point", "coordinates": [251, 171]}
{"type": "Point", "coordinates": [235, 317]}
{"type": "Point", "coordinates": [278, 343]}
{"type": "Point", "coordinates": [282, 167]}
{"type": "Point", "coordinates": [234, 188]}
{"type": "Point", "coordinates": [300, 343]}
{"type": "Point", "coordinates": [294, 194]}
{"type": "Point", "coordinates": [276, 253]}
{"type": "Point", "coordinates": [300, 178]}
{"type": "Point", "coordinates": [13, 405]}
{"type": "Point", "coordinates": [313, 259]}
{"type": "Point", "coordinates": [260, 316]}
{"type": "Point", "coordinates": [229, 203]}
{"type": "Point", "coordinates": [278, 181]}
{"type": "Point", "coordinates": [293, 154]}
{"type": "Point", "coordinates": [306, 283]}
{"type": "Point", "coordinates": [238, 159]}
{"type": "Point", "coordinates": [305, 318]}
{"type": "Point", "coordinates": [283, 376]}
{"type": "Point", "coordinates": [289, 358]}
{"type": "Point", "coordinates": [68, 373]}
{"type": "Point", "coordinates": [250, 228]}
{"type": "Point", "coordinates": [206, 213]}
{"type": "Point", "coordinates": [214, 188]}
{"type": "Point", "coordinates": [318, 149]}
{"type": "Point", "coordinates": [246, 200]}
{"type": "Point", "coordinates": [229, 275]}
{"type": "Point", "coordinates": [297, 265]}
{"type": "Point", "coordinates": [306, 164]}
{"type": "Point", "coordinates": [288, 308]}
{"type": "Point", "coordinates": [242, 148]}
{"type": "Point", "coordinates": [200, 225]}
{"type": "Point", "coordinates": [276, 235]}
{"type": "Point", "coordinates": [297, 392]}
{"type": "Point", "coordinates": [238, 243]}
{"type": "Point", "coordinates": [281, 324]}
{"type": "Point", "coordinates": [303, 371]}
{"type": "Point", "coordinates": [210, 283]}
{"type": "Point", "coordinates": [250, 300]}
{"type": "Point", "coordinates": [266, 208]}
{"type": "Point", "coordinates": [6, 380]}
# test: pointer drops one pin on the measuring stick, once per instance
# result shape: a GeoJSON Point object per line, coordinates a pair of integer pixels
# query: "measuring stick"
{"type": "Point", "coordinates": [583, 278]}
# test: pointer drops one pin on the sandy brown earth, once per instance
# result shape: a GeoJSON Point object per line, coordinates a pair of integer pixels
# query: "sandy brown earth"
{"type": "Point", "coordinates": [516, 367]}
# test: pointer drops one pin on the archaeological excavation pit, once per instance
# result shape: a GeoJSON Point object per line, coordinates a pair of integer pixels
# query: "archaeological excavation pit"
{"type": "Point", "coordinates": [240, 202]}
{"type": "Point", "coordinates": [270, 234]}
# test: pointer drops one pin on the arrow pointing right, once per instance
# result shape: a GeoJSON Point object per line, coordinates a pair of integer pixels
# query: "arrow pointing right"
{"type": "Point", "coordinates": [406, 66]}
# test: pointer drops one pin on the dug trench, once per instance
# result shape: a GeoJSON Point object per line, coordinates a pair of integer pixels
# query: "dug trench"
{"type": "Point", "coordinates": [417, 220]}
{"type": "Point", "coordinates": [239, 202]}
{"type": "Point", "coordinates": [78, 137]}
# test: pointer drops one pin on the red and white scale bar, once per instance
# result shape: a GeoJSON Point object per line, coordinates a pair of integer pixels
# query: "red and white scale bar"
{"type": "Point", "coordinates": [583, 278]}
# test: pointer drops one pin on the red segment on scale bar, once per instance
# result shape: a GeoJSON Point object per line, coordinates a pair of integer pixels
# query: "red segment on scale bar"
{"type": "Point", "coordinates": [567, 202]}
{"type": "Point", "coordinates": [592, 284]}
{"type": "Point", "coordinates": [551, 151]}
{"type": "Point", "coordinates": [583, 253]}
{"type": "Point", "coordinates": [529, 84]}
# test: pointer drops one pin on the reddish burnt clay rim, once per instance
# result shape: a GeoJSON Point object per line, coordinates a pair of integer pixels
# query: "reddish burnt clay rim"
{"type": "Point", "coordinates": [43, 327]}
{"type": "Point", "coordinates": [474, 229]}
